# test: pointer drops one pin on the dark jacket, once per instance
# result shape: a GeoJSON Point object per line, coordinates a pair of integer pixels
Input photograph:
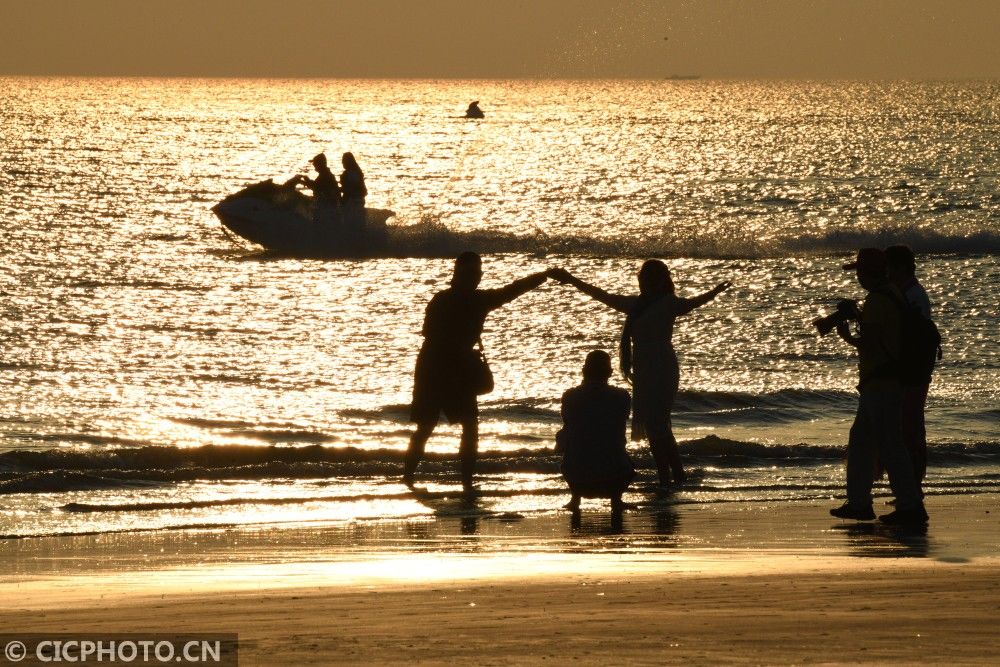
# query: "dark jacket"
{"type": "Point", "coordinates": [592, 439]}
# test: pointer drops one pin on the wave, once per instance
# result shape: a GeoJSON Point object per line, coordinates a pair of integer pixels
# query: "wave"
{"type": "Point", "coordinates": [57, 470]}
{"type": "Point", "coordinates": [82, 438]}
{"type": "Point", "coordinates": [781, 405]}
{"type": "Point", "coordinates": [430, 238]}
{"type": "Point", "coordinates": [59, 481]}
{"type": "Point", "coordinates": [926, 241]}
{"type": "Point", "coordinates": [86, 283]}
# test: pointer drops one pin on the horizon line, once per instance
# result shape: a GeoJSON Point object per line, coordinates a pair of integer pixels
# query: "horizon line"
{"type": "Point", "coordinates": [679, 78]}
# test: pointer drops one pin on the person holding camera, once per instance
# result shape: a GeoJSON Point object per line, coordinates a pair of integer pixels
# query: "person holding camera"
{"type": "Point", "coordinates": [876, 431]}
{"type": "Point", "coordinates": [450, 373]}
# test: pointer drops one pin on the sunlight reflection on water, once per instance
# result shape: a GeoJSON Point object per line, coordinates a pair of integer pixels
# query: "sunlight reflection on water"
{"type": "Point", "coordinates": [128, 320]}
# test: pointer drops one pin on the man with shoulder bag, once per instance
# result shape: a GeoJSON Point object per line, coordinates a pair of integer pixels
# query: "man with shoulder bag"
{"type": "Point", "coordinates": [450, 372]}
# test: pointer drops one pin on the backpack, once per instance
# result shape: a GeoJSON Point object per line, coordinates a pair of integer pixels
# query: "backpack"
{"type": "Point", "coordinates": [919, 344]}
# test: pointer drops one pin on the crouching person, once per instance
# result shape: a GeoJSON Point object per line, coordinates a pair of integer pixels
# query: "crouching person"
{"type": "Point", "coordinates": [592, 439]}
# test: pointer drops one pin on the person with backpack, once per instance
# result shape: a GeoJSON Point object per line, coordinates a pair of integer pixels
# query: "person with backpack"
{"type": "Point", "coordinates": [877, 431]}
{"type": "Point", "coordinates": [922, 343]}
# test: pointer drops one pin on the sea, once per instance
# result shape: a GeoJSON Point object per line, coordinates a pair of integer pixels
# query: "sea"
{"type": "Point", "coordinates": [157, 373]}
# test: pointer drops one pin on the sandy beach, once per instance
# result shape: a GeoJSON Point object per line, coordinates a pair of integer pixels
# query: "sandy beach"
{"type": "Point", "coordinates": [753, 583]}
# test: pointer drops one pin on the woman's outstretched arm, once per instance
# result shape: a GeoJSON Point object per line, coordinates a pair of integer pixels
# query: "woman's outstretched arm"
{"type": "Point", "coordinates": [622, 304]}
{"type": "Point", "coordinates": [498, 297]}
{"type": "Point", "coordinates": [700, 300]}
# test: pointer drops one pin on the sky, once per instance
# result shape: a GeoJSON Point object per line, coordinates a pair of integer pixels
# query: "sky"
{"type": "Point", "coordinates": [864, 39]}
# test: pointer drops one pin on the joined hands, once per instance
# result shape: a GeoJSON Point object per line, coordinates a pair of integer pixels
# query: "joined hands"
{"type": "Point", "coordinates": [559, 275]}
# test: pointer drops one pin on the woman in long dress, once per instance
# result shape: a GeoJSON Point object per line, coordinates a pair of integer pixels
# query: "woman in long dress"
{"type": "Point", "coordinates": [648, 359]}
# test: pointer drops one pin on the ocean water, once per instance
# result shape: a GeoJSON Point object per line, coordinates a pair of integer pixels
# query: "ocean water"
{"type": "Point", "coordinates": [154, 373]}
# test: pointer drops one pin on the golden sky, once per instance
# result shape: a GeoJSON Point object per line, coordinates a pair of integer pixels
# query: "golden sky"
{"type": "Point", "coordinates": [503, 38]}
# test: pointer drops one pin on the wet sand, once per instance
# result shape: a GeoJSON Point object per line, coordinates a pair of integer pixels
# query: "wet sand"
{"type": "Point", "coordinates": [748, 584]}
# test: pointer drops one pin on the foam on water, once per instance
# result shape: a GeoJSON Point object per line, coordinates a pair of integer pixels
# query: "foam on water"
{"type": "Point", "coordinates": [433, 239]}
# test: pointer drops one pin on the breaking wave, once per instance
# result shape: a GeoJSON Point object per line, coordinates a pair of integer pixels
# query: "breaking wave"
{"type": "Point", "coordinates": [706, 406]}
{"type": "Point", "coordinates": [60, 470]}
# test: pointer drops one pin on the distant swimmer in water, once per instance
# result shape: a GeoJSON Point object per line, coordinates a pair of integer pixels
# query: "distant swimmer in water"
{"type": "Point", "coordinates": [326, 192]}
{"type": "Point", "coordinates": [352, 184]}
{"type": "Point", "coordinates": [474, 111]}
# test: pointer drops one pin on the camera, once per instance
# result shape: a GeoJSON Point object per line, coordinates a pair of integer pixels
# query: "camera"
{"type": "Point", "coordinates": [847, 310]}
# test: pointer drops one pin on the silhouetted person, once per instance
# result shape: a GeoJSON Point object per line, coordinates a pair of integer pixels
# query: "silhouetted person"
{"type": "Point", "coordinates": [901, 269]}
{"type": "Point", "coordinates": [352, 184]}
{"type": "Point", "coordinates": [647, 336]}
{"type": "Point", "coordinates": [445, 377]}
{"type": "Point", "coordinates": [326, 192]}
{"type": "Point", "coordinates": [474, 111]}
{"type": "Point", "coordinates": [876, 430]}
{"type": "Point", "coordinates": [592, 439]}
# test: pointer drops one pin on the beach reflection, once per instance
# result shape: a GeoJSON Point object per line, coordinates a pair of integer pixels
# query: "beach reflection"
{"type": "Point", "coordinates": [647, 527]}
{"type": "Point", "coordinates": [721, 538]}
{"type": "Point", "coordinates": [592, 523]}
{"type": "Point", "coordinates": [871, 540]}
{"type": "Point", "coordinates": [470, 525]}
{"type": "Point", "coordinates": [667, 521]}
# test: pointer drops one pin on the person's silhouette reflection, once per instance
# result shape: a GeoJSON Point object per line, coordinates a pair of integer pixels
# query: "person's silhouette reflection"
{"type": "Point", "coordinates": [470, 525]}
{"type": "Point", "coordinates": [666, 522]}
{"type": "Point", "coordinates": [597, 524]}
{"type": "Point", "coordinates": [867, 540]}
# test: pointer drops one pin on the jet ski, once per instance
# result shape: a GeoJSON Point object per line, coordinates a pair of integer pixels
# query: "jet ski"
{"type": "Point", "coordinates": [280, 218]}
